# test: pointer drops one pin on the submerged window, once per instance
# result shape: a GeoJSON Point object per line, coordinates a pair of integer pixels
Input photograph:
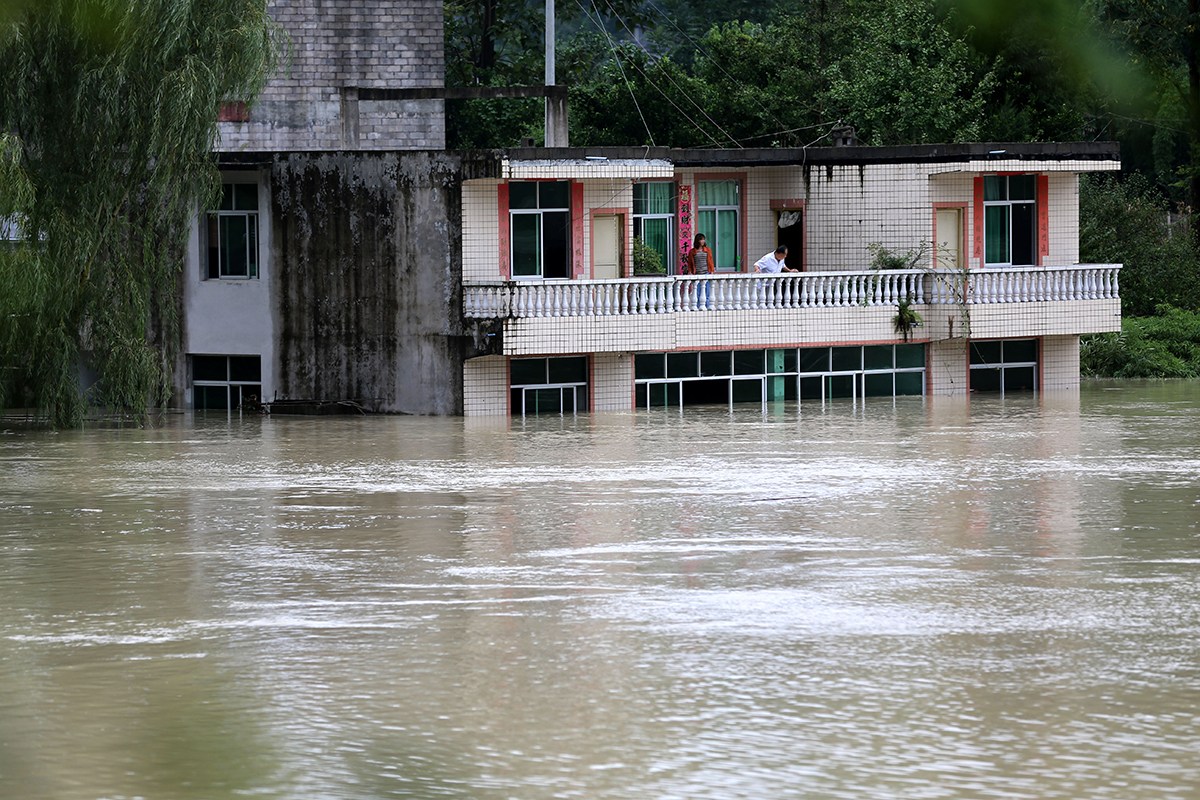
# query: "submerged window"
{"type": "Point", "coordinates": [718, 207]}
{"type": "Point", "coordinates": [1004, 366]}
{"type": "Point", "coordinates": [540, 226]}
{"type": "Point", "coordinates": [789, 374]}
{"type": "Point", "coordinates": [1009, 220]}
{"type": "Point", "coordinates": [548, 385]}
{"type": "Point", "coordinates": [233, 233]}
{"type": "Point", "coordinates": [226, 383]}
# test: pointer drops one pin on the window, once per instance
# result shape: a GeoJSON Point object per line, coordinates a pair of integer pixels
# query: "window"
{"type": "Point", "coordinates": [1009, 220]}
{"type": "Point", "coordinates": [654, 219]}
{"type": "Point", "coordinates": [233, 233]}
{"type": "Point", "coordinates": [10, 228]}
{"type": "Point", "coordinates": [540, 223]}
{"type": "Point", "coordinates": [226, 383]}
{"type": "Point", "coordinates": [1004, 366]}
{"type": "Point", "coordinates": [548, 385]}
{"type": "Point", "coordinates": [717, 206]}
{"type": "Point", "coordinates": [787, 374]}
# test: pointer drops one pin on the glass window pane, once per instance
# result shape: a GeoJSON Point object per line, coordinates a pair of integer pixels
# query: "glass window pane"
{"type": "Point", "coordinates": [649, 365]}
{"type": "Point", "coordinates": [567, 370]}
{"type": "Point", "coordinates": [527, 371]}
{"type": "Point", "coordinates": [839, 386]}
{"type": "Point", "coordinates": [252, 246]}
{"type": "Point", "coordinates": [910, 355]}
{"type": "Point", "coordinates": [556, 239]}
{"type": "Point", "coordinates": [781, 360]}
{"type": "Point", "coordinates": [985, 380]}
{"type": "Point", "coordinates": [745, 391]}
{"type": "Point", "coordinates": [717, 193]}
{"type": "Point", "coordinates": [714, 362]}
{"type": "Point", "coordinates": [657, 197]}
{"type": "Point", "coordinates": [656, 236]}
{"type": "Point", "coordinates": [726, 252]}
{"type": "Point", "coordinates": [234, 246]}
{"type": "Point", "coordinates": [516, 402]}
{"type": "Point", "coordinates": [210, 368]}
{"type": "Point", "coordinates": [682, 365]}
{"type": "Point", "coordinates": [995, 234]}
{"type": "Point", "coordinates": [1022, 187]}
{"type": "Point", "coordinates": [245, 197]}
{"type": "Point", "coordinates": [226, 197]}
{"type": "Point", "coordinates": [210, 397]}
{"type": "Point", "coordinates": [995, 188]}
{"type": "Point", "coordinates": [1019, 350]}
{"type": "Point", "coordinates": [985, 352]}
{"type": "Point", "coordinates": [748, 362]}
{"type": "Point", "coordinates": [526, 244]}
{"type": "Point", "coordinates": [847, 358]}
{"type": "Point", "coordinates": [554, 194]}
{"type": "Point", "coordinates": [1024, 234]}
{"type": "Point", "coordinates": [811, 388]}
{"type": "Point", "coordinates": [878, 356]}
{"type": "Point", "coordinates": [543, 401]}
{"type": "Point", "coordinates": [706, 222]}
{"type": "Point", "coordinates": [1019, 379]}
{"type": "Point", "coordinates": [214, 247]}
{"type": "Point", "coordinates": [522, 195]}
{"type": "Point", "coordinates": [813, 359]}
{"type": "Point", "coordinates": [908, 383]}
{"type": "Point", "coordinates": [245, 369]}
{"type": "Point", "coordinates": [878, 384]}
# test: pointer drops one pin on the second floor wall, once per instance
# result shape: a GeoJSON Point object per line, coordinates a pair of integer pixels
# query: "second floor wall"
{"type": "Point", "coordinates": [983, 212]}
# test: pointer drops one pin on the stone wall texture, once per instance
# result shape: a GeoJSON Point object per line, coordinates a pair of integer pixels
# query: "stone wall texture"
{"type": "Point", "coordinates": [338, 48]}
{"type": "Point", "coordinates": [367, 299]}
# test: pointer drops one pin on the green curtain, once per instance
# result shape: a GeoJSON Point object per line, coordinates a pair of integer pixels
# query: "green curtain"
{"type": "Point", "coordinates": [717, 193]}
{"type": "Point", "coordinates": [656, 236]}
{"type": "Point", "coordinates": [995, 235]}
{"type": "Point", "coordinates": [653, 198]}
{"type": "Point", "coordinates": [727, 240]}
{"type": "Point", "coordinates": [526, 244]}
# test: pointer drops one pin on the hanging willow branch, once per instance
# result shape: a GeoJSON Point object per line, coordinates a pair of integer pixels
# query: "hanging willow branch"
{"type": "Point", "coordinates": [108, 114]}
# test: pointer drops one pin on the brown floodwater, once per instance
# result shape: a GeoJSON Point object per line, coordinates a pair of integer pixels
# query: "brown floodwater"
{"type": "Point", "coordinates": [998, 599]}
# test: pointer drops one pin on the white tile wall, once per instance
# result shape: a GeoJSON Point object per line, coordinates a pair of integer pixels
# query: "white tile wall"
{"type": "Point", "coordinates": [481, 231]}
{"type": "Point", "coordinates": [1060, 363]}
{"type": "Point", "coordinates": [612, 381]}
{"type": "Point", "coordinates": [485, 386]}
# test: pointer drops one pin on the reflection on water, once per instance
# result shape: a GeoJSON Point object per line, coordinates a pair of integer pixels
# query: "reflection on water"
{"type": "Point", "coordinates": [892, 600]}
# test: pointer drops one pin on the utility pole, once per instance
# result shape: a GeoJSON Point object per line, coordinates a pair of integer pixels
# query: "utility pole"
{"type": "Point", "coordinates": [556, 101]}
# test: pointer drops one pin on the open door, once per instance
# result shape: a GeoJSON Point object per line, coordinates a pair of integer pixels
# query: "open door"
{"type": "Point", "coordinates": [790, 225]}
{"type": "Point", "coordinates": [606, 247]}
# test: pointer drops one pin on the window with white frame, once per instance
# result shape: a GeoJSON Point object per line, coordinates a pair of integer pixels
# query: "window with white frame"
{"type": "Point", "coordinates": [1009, 220]}
{"type": "Point", "coordinates": [654, 219]}
{"type": "Point", "coordinates": [718, 215]}
{"type": "Point", "coordinates": [226, 383]}
{"type": "Point", "coordinates": [232, 233]}
{"type": "Point", "coordinates": [548, 385]}
{"type": "Point", "coordinates": [540, 228]}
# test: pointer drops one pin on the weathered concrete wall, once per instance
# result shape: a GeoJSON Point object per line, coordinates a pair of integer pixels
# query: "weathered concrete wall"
{"type": "Point", "coordinates": [368, 300]}
{"type": "Point", "coordinates": [337, 48]}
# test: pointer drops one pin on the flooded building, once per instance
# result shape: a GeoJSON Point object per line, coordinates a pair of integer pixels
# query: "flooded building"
{"type": "Point", "coordinates": [354, 258]}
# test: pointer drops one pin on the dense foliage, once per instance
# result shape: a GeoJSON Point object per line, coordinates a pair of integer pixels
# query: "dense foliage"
{"type": "Point", "coordinates": [1163, 346]}
{"type": "Point", "coordinates": [108, 115]}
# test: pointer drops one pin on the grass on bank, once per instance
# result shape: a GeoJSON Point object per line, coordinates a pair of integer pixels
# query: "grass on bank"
{"type": "Point", "coordinates": [1163, 346]}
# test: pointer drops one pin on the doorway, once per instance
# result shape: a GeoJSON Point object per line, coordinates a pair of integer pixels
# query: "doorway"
{"type": "Point", "coordinates": [948, 239]}
{"type": "Point", "coordinates": [606, 247]}
{"type": "Point", "coordinates": [790, 227]}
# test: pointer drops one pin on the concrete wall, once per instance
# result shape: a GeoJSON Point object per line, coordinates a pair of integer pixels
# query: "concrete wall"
{"type": "Point", "coordinates": [367, 301]}
{"type": "Point", "coordinates": [229, 317]}
{"type": "Point", "coordinates": [337, 49]}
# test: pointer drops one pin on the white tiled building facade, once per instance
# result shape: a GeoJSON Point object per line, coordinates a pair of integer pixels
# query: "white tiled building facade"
{"type": "Point", "coordinates": [944, 205]}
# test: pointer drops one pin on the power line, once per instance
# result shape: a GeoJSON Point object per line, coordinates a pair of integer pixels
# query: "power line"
{"type": "Point", "coordinates": [624, 77]}
{"type": "Point", "coordinates": [688, 97]}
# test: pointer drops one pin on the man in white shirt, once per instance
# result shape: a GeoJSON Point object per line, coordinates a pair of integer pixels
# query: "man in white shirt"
{"type": "Point", "coordinates": [774, 262]}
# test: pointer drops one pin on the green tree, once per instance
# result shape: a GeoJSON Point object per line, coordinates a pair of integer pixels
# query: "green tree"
{"type": "Point", "coordinates": [108, 111]}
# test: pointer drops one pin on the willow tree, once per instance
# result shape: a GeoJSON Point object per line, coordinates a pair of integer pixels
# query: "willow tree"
{"type": "Point", "coordinates": [108, 116]}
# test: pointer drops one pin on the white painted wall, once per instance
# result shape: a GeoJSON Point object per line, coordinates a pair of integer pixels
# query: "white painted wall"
{"type": "Point", "coordinates": [231, 316]}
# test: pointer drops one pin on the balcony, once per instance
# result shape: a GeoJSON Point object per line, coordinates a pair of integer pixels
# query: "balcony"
{"type": "Point", "coordinates": [745, 310]}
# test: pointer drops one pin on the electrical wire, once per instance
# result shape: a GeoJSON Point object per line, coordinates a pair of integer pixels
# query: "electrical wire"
{"type": "Point", "coordinates": [628, 84]}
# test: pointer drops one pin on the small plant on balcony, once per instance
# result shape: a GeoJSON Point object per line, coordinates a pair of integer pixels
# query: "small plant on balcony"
{"type": "Point", "coordinates": [906, 318]}
{"type": "Point", "coordinates": [646, 260]}
{"type": "Point", "coordinates": [884, 258]}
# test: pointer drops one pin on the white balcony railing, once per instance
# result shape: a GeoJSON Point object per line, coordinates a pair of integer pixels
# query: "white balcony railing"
{"type": "Point", "coordinates": [789, 290]}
